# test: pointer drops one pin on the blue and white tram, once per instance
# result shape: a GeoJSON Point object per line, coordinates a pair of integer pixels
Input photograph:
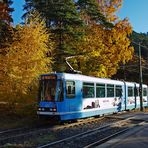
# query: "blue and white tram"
{"type": "Point", "coordinates": [132, 95]}
{"type": "Point", "coordinates": [68, 96]}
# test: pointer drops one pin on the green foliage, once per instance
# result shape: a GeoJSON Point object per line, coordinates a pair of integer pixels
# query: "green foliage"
{"type": "Point", "coordinates": [64, 22]}
{"type": "Point", "coordinates": [104, 44]}
{"type": "Point", "coordinates": [5, 12]}
{"type": "Point", "coordinates": [91, 13]}
{"type": "Point", "coordinates": [141, 38]}
{"type": "Point", "coordinates": [5, 28]}
{"type": "Point", "coordinates": [130, 71]}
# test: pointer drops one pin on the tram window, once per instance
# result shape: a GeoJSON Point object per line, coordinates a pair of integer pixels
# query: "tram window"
{"type": "Point", "coordinates": [118, 91]}
{"type": "Point", "coordinates": [88, 90]}
{"type": "Point", "coordinates": [70, 89]}
{"type": "Point", "coordinates": [60, 91]}
{"type": "Point", "coordinates": [48, 90]}
{"type": "Point", "coordinates": [130, 91]}
{"type": "Point", "coordinates": [144, 92]}
{"type": "Point", "coordinates": [110, 90]}
{"type": "Point", "coordinates": [100, 90]}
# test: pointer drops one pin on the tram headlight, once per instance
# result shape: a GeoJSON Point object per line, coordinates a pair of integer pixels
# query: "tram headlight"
{"type": "Point", "coordinates": [41, 109]}
{"type": "Point", "coordinates": [54, 109]}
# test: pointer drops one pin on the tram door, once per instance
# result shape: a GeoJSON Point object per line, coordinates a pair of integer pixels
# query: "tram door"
{"type": "Point", "coordinates": [73, 95]}
{"type": "Point", "coordinates": [135, 95]}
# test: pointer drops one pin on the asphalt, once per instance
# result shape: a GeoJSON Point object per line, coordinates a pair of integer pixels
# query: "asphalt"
{"type": "Point", "coordinates": [136, 137]}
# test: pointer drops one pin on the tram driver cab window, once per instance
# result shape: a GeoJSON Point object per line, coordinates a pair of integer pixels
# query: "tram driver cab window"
{"type": "Point", "coordinates": [70, 89]}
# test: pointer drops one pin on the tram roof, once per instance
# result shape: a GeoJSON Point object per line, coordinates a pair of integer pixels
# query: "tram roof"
{"type": "Point", "coordinates": [90, 78]}
{"type": "Point", "coordinates": [80, 77]}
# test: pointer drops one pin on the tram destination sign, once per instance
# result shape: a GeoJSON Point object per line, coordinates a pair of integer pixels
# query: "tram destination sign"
{"type": "Point", "coordinates": [49, 77]}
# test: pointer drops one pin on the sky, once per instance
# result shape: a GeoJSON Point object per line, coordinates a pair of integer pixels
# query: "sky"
{"type": "Point", "coordinates": [135, 10]}
{"type": "Point", "coordinates": [17, 14]}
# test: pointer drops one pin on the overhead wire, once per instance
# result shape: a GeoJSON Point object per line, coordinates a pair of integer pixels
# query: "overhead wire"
{"type": "Point", "coordinates": [140, 45]}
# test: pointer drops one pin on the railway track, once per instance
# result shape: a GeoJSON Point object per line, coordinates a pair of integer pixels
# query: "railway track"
{"type": "Point", "coordinates": [95, 136]}
{"type": "Point", "coordinates": [106, 139]}
{"type": "Point", "coordinates": [23, 134]}
{"type": "Point", "coordinates": [61, 133]}
{"type": "Point", "coordinates": [16, 134]}
{"type": "Point", "coordinates": [11, 136]}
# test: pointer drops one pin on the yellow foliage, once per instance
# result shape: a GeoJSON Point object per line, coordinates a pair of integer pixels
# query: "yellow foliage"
{"type": "Point", "coordinates": [104, 49]}
{"type": "Point", "coordinates": [26, 57]}
{"type": "Point", "coordinates": [109, 8]}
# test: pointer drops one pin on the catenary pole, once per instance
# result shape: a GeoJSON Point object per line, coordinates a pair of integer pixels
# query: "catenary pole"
{"type": "Point", "coordinates": [140, 79]}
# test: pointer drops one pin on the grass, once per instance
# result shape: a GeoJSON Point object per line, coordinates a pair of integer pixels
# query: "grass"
{"type": "Point", "coordinates": [42, 139]}
{"type": "Point", "coordinates": [17, 116]}
{"type": "Point", "coordinates": [32, 142]}
{"type": "Point", "coordinates": [8, 145]}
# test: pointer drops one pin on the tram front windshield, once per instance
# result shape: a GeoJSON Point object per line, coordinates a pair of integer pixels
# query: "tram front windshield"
{"type": "Point", "coordinates": [47, 90]}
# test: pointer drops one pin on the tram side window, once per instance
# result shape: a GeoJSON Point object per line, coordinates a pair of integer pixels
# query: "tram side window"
{"type": "Point", "coordinates": [100, 90]}
{"type": "Point", "coordinates": [144, 92]}
{"type": "Point", "coordinates": [70, 89]}
{"type": "Point", "coordinates": [88, 90]}
{"type": "Point", "coordinates": [60, 91]}
{"type": "Point", "coordinates": [110, 90]}
{"type": "Point", "coordinates": [130, 91]}
{"type": "Point", "coordinates": [118, 91]}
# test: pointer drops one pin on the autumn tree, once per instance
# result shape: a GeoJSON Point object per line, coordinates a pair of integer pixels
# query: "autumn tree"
{"type": "Point", "coordinates": [104, 47]}
{"type": "Point", "coordinates": [26, 57]}
{"type": "Point", "coordinates": [104, 44]}
{"type": "Point", "coordinates": [109, 8]}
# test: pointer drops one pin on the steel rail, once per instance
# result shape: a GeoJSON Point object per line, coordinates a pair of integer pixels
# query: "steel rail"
{"type": "Point", "coordinates": [51, 144]}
